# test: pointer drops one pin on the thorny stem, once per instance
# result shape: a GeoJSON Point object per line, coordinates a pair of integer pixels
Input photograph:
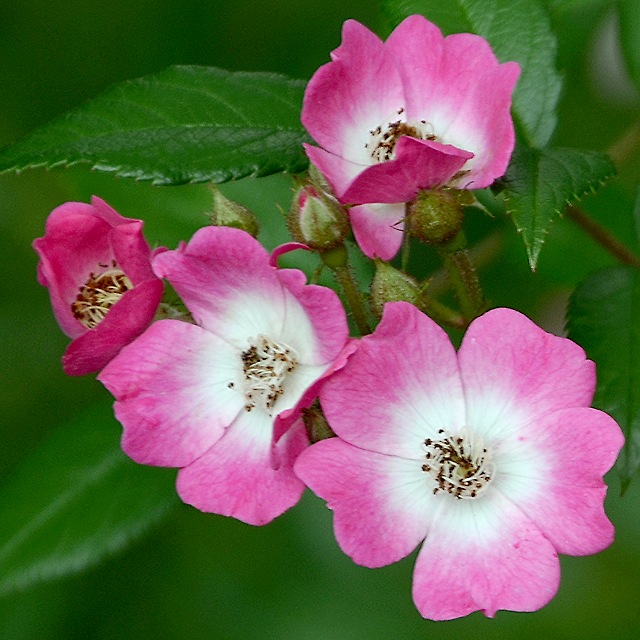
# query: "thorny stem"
{"type": "Point", "coordinates": [603, 237]}
{"type": "Point", "coordinates": [620, 152]}
{"type": "Point", "coordinates": [345, 278]}
{"type": "Point", "coordinates": [464, 278]}
{"type": "Point", "coordinates": [481, 254]}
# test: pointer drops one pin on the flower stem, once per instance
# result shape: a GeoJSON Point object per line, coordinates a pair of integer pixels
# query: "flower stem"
{"type": "Point", "coordinates": [464, 278]}
{"type": "Point", "coordinates": [603, 237]}
{"type": "Point", "coordinates": [442, 314]}
{"type": "Point", "coordinates": [336, 259]}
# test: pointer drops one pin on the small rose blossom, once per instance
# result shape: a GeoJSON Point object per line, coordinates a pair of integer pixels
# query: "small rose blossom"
{"type": "Point", "coordinates": [97, 267]}
{"type": "Point", "coordinates": [221, 399]}
{"type": "Point", "coordinates": [491, 456]}
{"type": "Point", "coordinates": [415, 112]}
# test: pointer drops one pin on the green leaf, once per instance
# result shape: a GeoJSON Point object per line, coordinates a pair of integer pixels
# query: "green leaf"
{"type": "Point", "coordinates": [604, 318]}
{"type": "Point", "coordinates": [517, 30]}
{"type": "Point", "coordinates": [629, 11]}
{"type": "Point", "coordinates": [541, 183]}
{"type": "Point", "coordinates": [76, 500]}
{"type": "Point", "coordinates": [182, 125]}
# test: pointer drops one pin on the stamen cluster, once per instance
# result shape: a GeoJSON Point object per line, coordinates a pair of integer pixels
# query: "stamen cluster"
{"type": "Point", "coordinates": [383, 143]}
{"type": "Point", "coordinates": [459, 465]}
{"type": "Point", "coordinates": [99, 293]}
{"type": "Point", "coordinates": [266, 364]}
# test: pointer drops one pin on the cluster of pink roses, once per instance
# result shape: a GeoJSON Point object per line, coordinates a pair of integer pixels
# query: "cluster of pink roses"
{"type": "Point", "coordinates": [492, 455]}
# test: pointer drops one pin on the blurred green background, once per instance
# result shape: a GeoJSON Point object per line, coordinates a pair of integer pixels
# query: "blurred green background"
{"type": "Point", "coordinates": [203, 576]}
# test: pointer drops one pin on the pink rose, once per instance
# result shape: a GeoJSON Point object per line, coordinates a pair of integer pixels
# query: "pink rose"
{"type": "Point", "coordinates": [221, 399]}
{"type": "Point", "coordinates": [415, 112]}
{"type": "Point", "coordinates": [490, 459]}
{"type": "Point", "coordinates": [97, 266]}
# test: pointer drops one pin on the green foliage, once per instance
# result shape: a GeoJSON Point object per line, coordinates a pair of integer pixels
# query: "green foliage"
{"type": "Point", "coordinates": [182, 125]}
{"type": "Point", "coordinates": [603, 319]}
{"type": "Point", "coordinates": [75, 500]}
{"type": "Point", "coordinates": [517, 30]}
{"type": "Point", "coordinates": [541, 183]}
{"type": "Point", "coordinates": [629, 11]}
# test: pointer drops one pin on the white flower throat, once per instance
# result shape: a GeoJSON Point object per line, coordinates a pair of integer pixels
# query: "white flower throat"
{"type": "Point", "coordinates": [99, 293]}
{"type": "Point", "coordinates": [266, 364]}
{"type": "Point", "coordinates": [459, 464]}
{"type": "Point", "coordinates": [381, 146]}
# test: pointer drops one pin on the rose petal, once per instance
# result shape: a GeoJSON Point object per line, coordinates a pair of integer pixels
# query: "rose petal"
{"type": "Point", "coordinates": [349, 97]}
{"type": "Point", "coordinates": [378, 229]}
{"type": "Point", "coordinates": [382, 509]}
{"type": "Point", "coordinates": [235, 477]}
{"type": "Point", "coordinates": [508, 361]}
{"type": "Point", "coordinates": [400, 387]}
{"type": "Point", "coordinates": [483, 555]}
{"type": "Point", "coordinates": [419, 164]}
{"type": "Point", "coordinates": [124, 322]}
{"type": "Point", "coordinates": [173, 394]}
{"type": "Point", "coordinates": [553, 471]}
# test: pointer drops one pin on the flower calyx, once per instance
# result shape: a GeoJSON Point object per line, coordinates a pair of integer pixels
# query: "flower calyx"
{"type": "Point", "coordinates": [392, 285]}
{"type": "Point", "coordinates": [227, 213]}
{"type": "Point", "coordinates": [435, 215]}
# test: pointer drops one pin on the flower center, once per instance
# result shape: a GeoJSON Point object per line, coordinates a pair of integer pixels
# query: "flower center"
{"type": "Point", "coordinates": [383, 140]}
{"type": "Point", "coordinates": [460, 464]}
{"type": "Point", "coordinates": [266, 365]}
{"type": "Point", "coordinates": [99, 293]}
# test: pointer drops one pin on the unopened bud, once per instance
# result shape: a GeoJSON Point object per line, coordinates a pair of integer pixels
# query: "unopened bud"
{"type": "Point", "coordinates": [227, 213]}
{"type": "Point", "coordinates": [391, 285]}
{"type": "Point", "coordinates": [435, 216]}
{"type": "Point", "coordinates": [316, 219]}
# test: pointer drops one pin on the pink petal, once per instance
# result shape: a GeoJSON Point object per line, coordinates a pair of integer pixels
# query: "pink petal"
{"type": "Point", "coordinates": [224, 278]}
{"type": "Point", "coordinates": [172, 392]}
{"type": "Point", "coordinates": [75, 243]}
{"type": "Point", "coordinates": [349, 97]}
{"type": "Point", "coordinates": [235, 477]}
{"type": "Point", "coordinates": [507, 358]}
{"type": "Point", "coordinates": [553, 472]}
{"type": "Point", "coordinates": [378, 229]}
{"type": "Point", "coordinates": [325, 313]}
{"type": "Point", "coordinates": [132, 252]}
{"type": "Point", "coordinates": [124, 322]}
{"type": "Point", "coordinates": [382, 508]}
{"type": "Point", "coordinates": [282, 249]}
{"type": "Point", "coordinates": [483, 555]}
{"type": "Point", "coordinates": [400, 387]}
{"type": "Point", "coordinates": [457, 85]}
{"type": "Point", "coordinates": [419, 164]}
{"type": "Point", "coordinates": [103, 211]}
{"type": "Point", "coordinates": [338, 172]}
